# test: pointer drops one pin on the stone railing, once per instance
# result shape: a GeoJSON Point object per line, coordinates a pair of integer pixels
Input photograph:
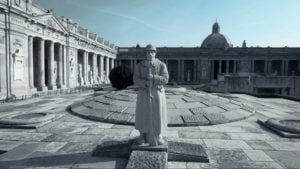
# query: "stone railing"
{"type": "Point", "coordinates": [92, 36]}
{"type": "Point", "coordinates": [81, 31]}
{"type": "Point", "coordinates": [100, 40]}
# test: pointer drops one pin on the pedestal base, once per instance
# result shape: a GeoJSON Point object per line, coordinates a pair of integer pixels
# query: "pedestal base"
{"type": "Point", "coordinates": [42, 89]}
{"type": "Point", "coordinates": [146, 147]}
{"type": "Point", "coordinates": [52, 88]}
{"type": "Point", "coordinates": [61, 87]}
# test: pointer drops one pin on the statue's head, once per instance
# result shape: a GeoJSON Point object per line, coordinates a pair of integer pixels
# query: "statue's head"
{"type": "Point", "coordinates": [150, 52]}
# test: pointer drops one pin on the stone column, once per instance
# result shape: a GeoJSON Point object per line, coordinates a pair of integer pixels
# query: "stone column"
{"type": "Point", "coordinates": [195, 70]}
{"type": "Point", "coordinates": [94, 67]}
{"type": "Point", "coordinates": [252, 66]}
{"type": "Point", "coordinates": [179, 72]}
{"type": "Point", "coordinates": [30, 62]}
{"type": "Point", "coordinates": [212, 63]}
{"type": "Point", "coordinates": [41, 65]}
{"type": "Point", "coordinates": [182, 70]}
{"type": "Point", "coordinates": [282, 67]}
{"type": "Point", "coordinates": [64, 65]}
{"type": "Point", "coordinates": [287, 67]}
{"type": "Point", "coordinates": [220, 66]}
{"type": "Point", "coordinates": [84, 67]}
{"type": "Point", "coordinates": [234, 66]}
{"type": "Point", "coordinates": [51, 82]}
{"type": "Point", "coordinates": [113, 63]}
{"type": "Point", "coordinates": [131, 64]}
{"type": "Point", "coordinates": [270, 67]}
{"type": "Point", "coordinates": [101, 69]}
{"type": "Point", "coordinates": [59, 67]}
{"type": "Point", "coordinates": [107, 67]}
{"type": "Point", "coordinates": [227, 66]}
{"type": "Point", "coordinates": [266, 67]}
{"type": "Point", "coordinates": [135, 63]}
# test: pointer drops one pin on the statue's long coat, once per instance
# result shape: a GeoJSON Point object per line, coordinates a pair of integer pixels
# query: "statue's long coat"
{"type": "Point", "coordinates": [158, 115]}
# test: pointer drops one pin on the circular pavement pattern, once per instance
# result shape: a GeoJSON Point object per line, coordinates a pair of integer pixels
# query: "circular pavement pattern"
{"type": "Point", "coordinates": [185, 108]}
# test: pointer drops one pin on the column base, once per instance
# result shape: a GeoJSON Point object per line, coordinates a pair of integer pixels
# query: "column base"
{"type": "Point", "coordinates": [33, 90]}
{"type": "Point", "coordinates": [61, 87]}
{"type": "Point", "coordinates": [52, 88]}
{"type": "Point", "coordinates": [42, 89]}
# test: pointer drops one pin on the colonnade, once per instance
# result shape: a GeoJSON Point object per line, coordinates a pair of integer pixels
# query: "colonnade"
{"type": "Point", "coordinates": [95, 67]}
{"type": "Point", "coordinates": [48, 65]}
{"type": "Point", "coordinates": [188, 70]}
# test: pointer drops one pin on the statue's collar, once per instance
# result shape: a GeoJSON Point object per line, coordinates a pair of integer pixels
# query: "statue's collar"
{"type": "Point", "coordinates": [152, 63]}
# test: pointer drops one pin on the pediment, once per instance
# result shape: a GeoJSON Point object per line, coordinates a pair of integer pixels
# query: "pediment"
{"type": "Point", "coordinates": [51, 21]}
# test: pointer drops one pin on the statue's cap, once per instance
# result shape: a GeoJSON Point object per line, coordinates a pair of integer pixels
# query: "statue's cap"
{"type": "Point", "coordinates": [150, 47]}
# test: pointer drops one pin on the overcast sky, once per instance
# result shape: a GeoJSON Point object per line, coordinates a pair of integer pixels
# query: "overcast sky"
{"type": "Point", "coordinates": [186, 23]}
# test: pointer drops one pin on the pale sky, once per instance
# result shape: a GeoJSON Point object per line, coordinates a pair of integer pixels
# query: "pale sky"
{"type": "Point", "coordinates": [185, 23]}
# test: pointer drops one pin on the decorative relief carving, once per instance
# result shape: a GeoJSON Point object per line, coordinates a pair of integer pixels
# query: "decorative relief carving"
{"type": "Point", "coordinates": [72, 63]}
{"type": "Point", "coordinates": [2, 39]}
{"type": "Point", "coordinates": [29, 5]}
{"type": "Point", "coordinates": [18, 2]}
{"type": "Point", "coordinates": [18, 60]}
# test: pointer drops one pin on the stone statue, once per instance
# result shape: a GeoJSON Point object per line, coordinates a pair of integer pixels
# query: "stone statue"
{"type": "Point", "coordinates": [151, 109]}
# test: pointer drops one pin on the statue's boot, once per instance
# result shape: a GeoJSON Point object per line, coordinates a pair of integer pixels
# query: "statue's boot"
{"type": "Point", "coordinates": [142, 139]}
{"type": "Point", "coordinates": [160, 140]}
{"type": "Point", "coordinates": [151, 139]}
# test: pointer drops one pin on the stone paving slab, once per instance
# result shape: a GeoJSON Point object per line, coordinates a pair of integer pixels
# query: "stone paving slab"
{"type": "Point", "coordinates": [9, 145]}
{"type": "Point", "coordinates": [285, 158]}
{"type": "Point", "coordinates": [114, 148]}
{"type": "Point", "coordinates": [148, 160]}
{"type": "Point", "coordinates": [203, 135]}
{"type": "Point", "coordinates": [73, 138]}
{"type": "Point", "coordinates": [259, 145]}
{"type": "Point", "coordinates": [226, 144]}
{"type": "Point", "coordinates": [99, 115]}
{"type": "Point", "coordinates": [46, 160]}
{"type": "Point", "coordinates": [257, 155]}
{"type": "Point", "coordinates": [120, 118]}
{"type": "Point", "coordinates": [23, 136]}
{"type": "Point", "coordinates": [221, 155]}
{"type": "Point", "coordinates": [197, 111]}
{"type": "Point", "coordinates": [250, 136]}
{"type": "Point", "coordinates": [285, 146]}
{"type": "Point", "coordinates": [178, 151]}
{"type": "Point", "coordinates": [175, 121]}
{"type": "Point", "coordinates": [21, 151]}
{"type": "Point", "coordinates": [104, 100]}
{"type": "Point", "coordinates": [78, 147]}
{"type": "Point", "coordinates": [87, 161]}
{"type": "Point", "coordinates": [235, 115]}
{"type": "Point", "coordinates": [213, 109]}
{"type": "Point", "coordinates": [215, 118]}
{"type": "Point", "coordinates": [114, 132]}
{"type": "Point", "coordinates": [195, 120]}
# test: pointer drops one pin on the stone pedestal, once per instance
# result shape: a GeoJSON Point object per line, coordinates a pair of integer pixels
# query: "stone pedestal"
{"type": "Point", "coordinates": [43, 89]}
{"type": "Point", "coordinates": [52, 87]}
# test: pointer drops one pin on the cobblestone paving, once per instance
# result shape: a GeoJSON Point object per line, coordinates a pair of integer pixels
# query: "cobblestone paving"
{"type": "Point", "coordinates": [69, 141]}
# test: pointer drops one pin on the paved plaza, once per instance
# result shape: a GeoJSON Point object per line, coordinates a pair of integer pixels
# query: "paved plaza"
{"type": "Point", "coordinates": [68, 138]}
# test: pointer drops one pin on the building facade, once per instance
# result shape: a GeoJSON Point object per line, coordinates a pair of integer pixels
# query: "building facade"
{"type": "Point", "coordinates": [40, 51]}
{"type": "Point", "coordinates": [221, 67]}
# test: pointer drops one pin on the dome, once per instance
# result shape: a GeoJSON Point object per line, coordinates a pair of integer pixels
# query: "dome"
{"type": "Point", "coordinates": [216, 39]}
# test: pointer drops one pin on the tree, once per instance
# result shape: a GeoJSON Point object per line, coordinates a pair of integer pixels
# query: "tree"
{"type": "Point", "coordinates": [121, 77]}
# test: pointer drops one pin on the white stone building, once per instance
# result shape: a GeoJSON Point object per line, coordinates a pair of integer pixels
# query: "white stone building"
{"type": "Point", "coordinates": [40, 51]}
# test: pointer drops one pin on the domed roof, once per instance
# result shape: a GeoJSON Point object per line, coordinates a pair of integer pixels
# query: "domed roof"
{"type": "Point", "coordinates": [216, 39]}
